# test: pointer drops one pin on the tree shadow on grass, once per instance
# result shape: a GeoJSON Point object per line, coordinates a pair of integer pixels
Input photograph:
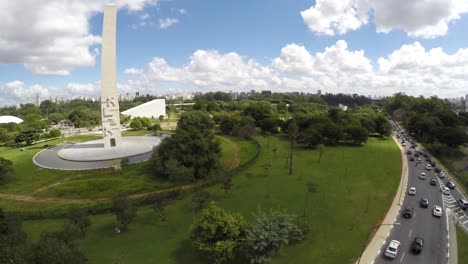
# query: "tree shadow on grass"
{"type": "Point", "coordinates": [186, 253]}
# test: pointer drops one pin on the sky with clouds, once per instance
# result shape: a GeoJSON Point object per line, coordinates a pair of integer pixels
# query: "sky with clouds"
{"type": "Point", "coordinates": [370, 47]}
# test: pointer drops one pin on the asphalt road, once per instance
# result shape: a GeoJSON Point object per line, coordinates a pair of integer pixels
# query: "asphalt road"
{"type": "Point", "coordinates": [423, 224]}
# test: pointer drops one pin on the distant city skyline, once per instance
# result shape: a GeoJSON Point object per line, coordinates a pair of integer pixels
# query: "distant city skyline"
{"type": "Point", "coordinates": [367, 47]}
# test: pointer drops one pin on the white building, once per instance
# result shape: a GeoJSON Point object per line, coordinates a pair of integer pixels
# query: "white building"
{"type": "Point", "coordinates": [10, 119]}
{"type": "Point", "coordinates": [151, 109]}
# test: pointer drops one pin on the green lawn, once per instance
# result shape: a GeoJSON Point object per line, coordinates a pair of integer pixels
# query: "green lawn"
{"type": "Point", "coordinates": [462, 244]}
{"type": "Point", "coordinates": [356, 185]}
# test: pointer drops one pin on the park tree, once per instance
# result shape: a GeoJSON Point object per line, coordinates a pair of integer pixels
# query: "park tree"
{"type": "Point", "coordinates": [269, 125]}
{"type": "Point", "coordinates": [227, 184]}
{"type": "Point", "coordinates": [228, 124]}
{"type": "Point", "coordinates": [258, 110]}
{"type": "Point", "coordinates": [136, 124]}
{"type": "Point", "coordinates": [272, 230]}
{"type": "Point", "coordinates": [28, 136]}
{"type": "Point", "coordinates": [192, 146]}
{"type": "Point", "coordinates": [124, 211]}
{"type": "Point", "coordinates": [57, 248]}
{"type": "Point", "coordinates": [155, 128]}
{"type": "Point", "coordinates": [159, 209]}
{"type": "Point", "coordinates": [382, 125]}
{"type": "Point", "coordinates": [218, 234]}
{"type": "Point", "coordinates": [333, 133]}
{"type": "Point", "coordinates": [356, 134]}
{"type": "Point", "coordinates": [79, 218]}
{"type": "Point", "coordinates": [55, 133]}
{"type": "Point", "coordinates": [13, 241]}
{"type": "Point", "coordinates": [6, 168]}
{"type": "Point", "coordinates": [292, 136]}
{"type": "Point", "coordinates": [161, 118]}
{"type": "Point", "coordinates": [310, 137]}
{"type": "Point", "coordinates": [450, 136]}
{"type": "Point", "coordinates": [321, 150]}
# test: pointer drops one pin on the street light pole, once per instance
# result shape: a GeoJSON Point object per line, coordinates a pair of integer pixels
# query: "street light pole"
{"type": "Point", "coordinates": [365, 245]}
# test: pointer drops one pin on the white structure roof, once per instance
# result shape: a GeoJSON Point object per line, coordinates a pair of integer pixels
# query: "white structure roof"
{"type": "Point", "coordinates": [150, 109]}
{"type": "Point", "coordinates": [10, 119]}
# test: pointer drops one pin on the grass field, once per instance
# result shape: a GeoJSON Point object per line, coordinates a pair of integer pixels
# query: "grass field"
{"type": "Point", "coordinates": [355, 184]}
{"type": "Point", "coordinates": [462, 244]}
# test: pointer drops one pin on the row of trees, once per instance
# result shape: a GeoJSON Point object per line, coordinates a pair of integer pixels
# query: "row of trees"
{"type": "Point", "coordinates": [222, 236]}
{"type": "Point", "coordinates": [430, 120]}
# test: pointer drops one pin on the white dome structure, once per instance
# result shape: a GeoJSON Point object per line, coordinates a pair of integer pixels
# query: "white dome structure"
{"type": "Point", "coordinates": [10, 119]}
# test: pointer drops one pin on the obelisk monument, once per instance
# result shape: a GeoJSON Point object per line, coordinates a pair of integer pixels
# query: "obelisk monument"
{"type": "Point", "coordinates": [110, 113]}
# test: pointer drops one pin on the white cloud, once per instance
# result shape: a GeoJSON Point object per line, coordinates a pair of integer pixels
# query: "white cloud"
{"type": "Point", "coordinates": [52, 38]}
{"type": "Point", "coordinates": [183, 11]}
{"type": "Point", "coordinates": [167, 22]}
{"type": "Point", "coordinates": [84, 89]}
{"type": "Point", "coordinates": [426, 19]}
{"type": "Point", "coordinates": [411, 69]}
{"type": "Point", "coordinates": [131, 71]}
{"type": "Point", "coordinates": [16, 92]}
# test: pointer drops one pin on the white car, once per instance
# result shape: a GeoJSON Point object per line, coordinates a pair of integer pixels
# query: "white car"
{"type": "Point", "coordinates": [392, 249]}
{"type": "Point", "coordinates": [403, 144]}
{"type": "Point", "coordinates": [419, 160]}
{"type": "Point", "coordinates": [422, 176]}
{"type": "Point", "coordinates": [428, 167]}
{"type": "Point", "coordinates": [445, 190]}
{"type": "Point", "coordinates": [437, 211]}
{"type": "Point", "coordinates": [412, 191]}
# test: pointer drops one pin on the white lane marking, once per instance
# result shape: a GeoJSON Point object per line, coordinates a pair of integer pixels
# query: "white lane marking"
{"type": "Point", "coordinates": [411, 231]}
{"type": "Point", "coordinates": [402, 257]}
{"type": "Point", "coordinates": [466, 222]}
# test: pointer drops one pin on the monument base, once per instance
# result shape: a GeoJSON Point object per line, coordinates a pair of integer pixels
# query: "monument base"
{"type": "Point", "coordinates": [95, 151]}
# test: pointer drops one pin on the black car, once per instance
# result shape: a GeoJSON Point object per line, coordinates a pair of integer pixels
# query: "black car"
{"type": "Point", "coordinates": [450, 185]}
{"type": "Point", "coordinates": [416, 155]}
{"type": "Point", "coordinates": [437, 170]}
{"type": "Point", "coordinates": [411, 159]}
{"type": "Point", "coordinates": [408, 152]}
{"type": "Point", "coordinates": [433, 164]}
{"type": "Point", "coordinates": [424, 202]}
{"type": "Point", "coordinates": [428, 159]}
{"type": "Point", "coordinates": [407, 212]}
{"type": "Point", "coordinates": [417, 245]}
{"type": "Point", "coordinates": [433, 182]}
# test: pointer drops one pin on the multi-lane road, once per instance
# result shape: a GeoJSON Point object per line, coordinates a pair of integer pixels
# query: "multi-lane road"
{"type": "Point", "coordinates": [422, 223]}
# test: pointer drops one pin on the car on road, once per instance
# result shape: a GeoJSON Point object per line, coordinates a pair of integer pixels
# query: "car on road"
{"type": "Point", "coordinates": [419, 160]}
{"type": "Point", "coordinates": [417, 245]}
{"type": "Point", "coordinates": [403, 144]}
{"type": "Point", "coordinates": [422, 176]}
{"type": "Point", "coordinates": [450, 185]}
{"type": "Point", "coordinates": [437, 211]}
{"type": "Point", "coordinates": [416, 154]}
{"type": "Point", "coordinates": [441, 174]}
{"type": "Point", "coordinates": [407, 212]}
{"type": "Point", "coordinates": [433, 164]}
{"type": "Point", "coordinates": [408, 152]}
{"type": "Point", "coordinates": [428, 159]}
{"type": "Point", "coordinates": [437, 170]}
{"type": "Point", "coordinates": [445, 190]}
{"type": "Point", "coordinates": [433, 182]}
{"type": "Point", "coordinates": [424, 202]}
{"type": "Point", "coordinates": [428, 167]}
{"type": "Point", "coordinates": [411, 159]}
{"type": "Point", "coordinates": [463, 204]}
{"type": "Point", "coordinates": [412, 191]}
{"type": "Point", "coordinates": [392, 249]}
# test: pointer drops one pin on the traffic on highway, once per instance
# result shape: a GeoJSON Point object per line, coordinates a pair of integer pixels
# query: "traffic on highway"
{"type": "Point", "coordinates": [419, 233]}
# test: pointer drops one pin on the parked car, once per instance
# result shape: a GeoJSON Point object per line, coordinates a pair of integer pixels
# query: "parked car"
{"type": "Point", "coordinates": [407, 212]}
{"type": "Point", "coordinates": [463, 204]}
{"type": "Point", "coordinates": [433, 182]}
{"type": "Point", "coordinates": [450, 185]}
{"type": "Point", "coordinates": [445, 190]}
{"type": "Point", "coordinates": [392, 249]}
{"type": "Point", "coordinates": [424, 202]}
{"type": "Point", "coordinates": [437, 211]}
{"type": "Point", "coordinates": [417, 245]}
{"type": "Point", "coordinates": [422, 176]}
{"type": "Point", "coordinates": [412, 191]}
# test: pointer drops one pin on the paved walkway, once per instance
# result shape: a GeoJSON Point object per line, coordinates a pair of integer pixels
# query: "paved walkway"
{"type": "Point", "coordinates": [373, 248]}
{"type": "Point", "coordinates": [452, 254]}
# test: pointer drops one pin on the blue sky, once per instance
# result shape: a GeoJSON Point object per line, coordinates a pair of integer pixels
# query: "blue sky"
{"type": "Point", "coordinates": [365, 46]}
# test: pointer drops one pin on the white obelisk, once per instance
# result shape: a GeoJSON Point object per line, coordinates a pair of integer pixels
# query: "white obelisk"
{"type": "Point", "coordinates": [110, 113]}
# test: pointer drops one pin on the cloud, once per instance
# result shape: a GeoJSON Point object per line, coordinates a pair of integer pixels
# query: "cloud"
{"type": "Point", "coordinates": [426, 19]}
{"type": "Point", "coordinates": [53, 38]}
{"type": "Point", "coordinates": [410, 69]}
{"type": "Point", "coordinates": [183, 11]}
{"type": "Point", "coordinates": [131, 71]}
{"type": "Point", "coordinates": [167, 22]}
{"type": "Point", "coordinates": [16, 92]}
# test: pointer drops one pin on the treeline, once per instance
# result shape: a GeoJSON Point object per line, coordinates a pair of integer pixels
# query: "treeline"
{"type": "Point", "coordinates": [429, 120]}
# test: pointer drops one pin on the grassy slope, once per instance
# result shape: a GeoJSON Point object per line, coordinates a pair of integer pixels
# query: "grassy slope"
{"type": "Point", "coordinates": [356, 184]}
{"type": "Point", "coordinates": [462, 244]}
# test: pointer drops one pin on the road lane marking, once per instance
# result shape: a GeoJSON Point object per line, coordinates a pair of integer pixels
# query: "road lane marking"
{"type": "Point", "coordinates": [402, 257]}
{"type": "Point", "coordinates": [411, 231]}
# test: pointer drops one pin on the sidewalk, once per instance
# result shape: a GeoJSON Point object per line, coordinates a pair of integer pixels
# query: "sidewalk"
{"type": "Point", "coordinates": [377, 241]}
{"type": "Point", "coordinates": [452, 254]}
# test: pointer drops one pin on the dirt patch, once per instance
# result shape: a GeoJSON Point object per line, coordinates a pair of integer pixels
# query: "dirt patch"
{"type": "Point", "coordinates": [236, 160]}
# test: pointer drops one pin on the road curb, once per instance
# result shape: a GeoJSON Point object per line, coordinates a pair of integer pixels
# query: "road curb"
{"type": "Point", "coordinates": [372, 249]}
